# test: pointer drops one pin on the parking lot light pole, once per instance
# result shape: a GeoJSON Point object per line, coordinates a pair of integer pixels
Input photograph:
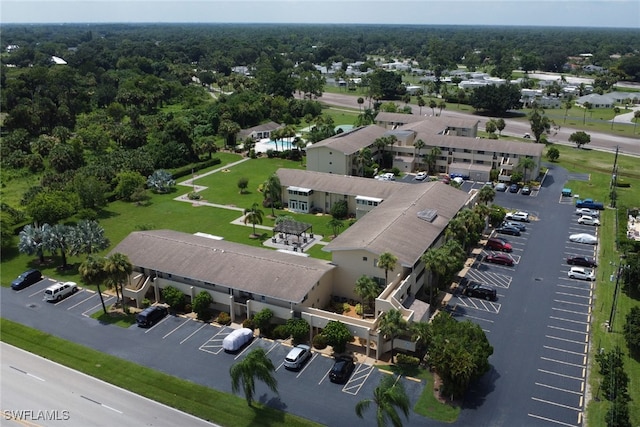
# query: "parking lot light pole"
{"type": "Point", "coordinates": [618, 273]}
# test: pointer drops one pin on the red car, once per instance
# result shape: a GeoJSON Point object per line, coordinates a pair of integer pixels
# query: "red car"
{"type": "Point", "coordinates": [500, 259]}
{"type": "Point", "coordinates": [498, 244]}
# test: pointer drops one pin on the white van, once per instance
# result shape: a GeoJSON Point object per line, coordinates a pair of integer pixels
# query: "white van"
{"type": "Point", "coordinates": [60, 290]}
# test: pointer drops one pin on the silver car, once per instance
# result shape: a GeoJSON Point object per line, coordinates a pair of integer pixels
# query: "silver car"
{"type": "Point", "coordinates": [297, 356]}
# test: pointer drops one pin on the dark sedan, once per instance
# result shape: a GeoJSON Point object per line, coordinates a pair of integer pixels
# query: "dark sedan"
{"type": "Point", "coordinates": [513, 188]}
{"type": "Point", "coordinates": [341, 370]}
{"type": "Point", "coordinates": [479, 291]}
{"type": "Point", "coordinates": [582, 261]}
{"type": "Point", "coordinates": [506, 229]}
{"type": "Point", "coordinates": [500, 259]}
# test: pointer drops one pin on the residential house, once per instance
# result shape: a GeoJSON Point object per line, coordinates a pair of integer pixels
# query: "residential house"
{"type": "Point", "coordinates": [262, 131]}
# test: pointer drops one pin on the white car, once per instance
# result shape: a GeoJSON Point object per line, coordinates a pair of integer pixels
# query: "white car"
{"type": "Point", "coordinates": [421, 176]}
{"type": "Point", "coordinates": [586, 211]}
{"type": "Point", "coordinates": [236, 339]}
{"type": "Point", "coordinates": [60, 290]}
{"type": "Point", "coordinates": [588, 220]}
{"type": "Point", "coordinates": [588, 239]}
{"type": "Point", "coordinates": [386, 177]}
{"type": "Point", "coordinates": [581, 273]}
{"type": "Point", "coordinates": [517, 216]}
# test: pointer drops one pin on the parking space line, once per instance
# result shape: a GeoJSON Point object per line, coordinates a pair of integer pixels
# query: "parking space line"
{"type": "Point", "coordinates": [563, 350]}
{"type": "Point", "coordinates": [77, 304]}
{"type": "Point", "coordinates": [245, 349]}
{"type": "Point", "coordinates": [176, 328]}
{"type": "Point", "coordinates": [361, 379]}
{"type": "Point", "coordinates": [573, 295]}
{"type": "Point", "coordinates": [574, 287]}
{"type": "Point", "coordinates": [571, 303]}
{"type": "Point", "coordinates": [568, 320]}
{"type": "Point", "coordinates": [569, 311]}
{"type": "Point", "coordinates": [275, 344]}
{"type": "Point", "coordinates": [562, 362]}
{"type": "Point", "coordinates": [151, 328]}
{"type": "Point", "coordinates": [551, 420]}
{"type": "Point", "coordinates": [563, 339]}
{"type": "Point", "coordinates": [568, 330]}
{"type": "Point", "coordinates": [204, 347]}
{"type": "Point", "coordinates": [193, 333]}
{"type": "Point", "coordinates": [469, 316]}
{"type": "Point", "coordinates": [307, 364]}
{"type": "Point", "coordinates": [558, 374]}
{"type": "Point", "coordinates": [92, 309]}
{"type": "Point", "coordinates": [556, 404]}
{"type": "Point", "coordinates": [579, 393]}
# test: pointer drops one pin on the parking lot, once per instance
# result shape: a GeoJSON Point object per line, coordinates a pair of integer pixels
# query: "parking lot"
{"type": "Point", "coordinates": [186, 347]}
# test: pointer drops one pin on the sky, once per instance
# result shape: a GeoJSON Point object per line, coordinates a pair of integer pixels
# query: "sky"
{"type": "Point", "coordinates": [554, 13]}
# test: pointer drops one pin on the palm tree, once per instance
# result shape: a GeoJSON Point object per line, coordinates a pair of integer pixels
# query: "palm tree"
{"type": "Point", "coordinates": [526, 164]}
{"type": "Point", "coordinates": [418, 145]}
{"type": "Point", "coordinates": [32, 240]}
{"type": "Point", "coordinates": [335, 225]}
{"type": "Point", "coordinates": [387, 261]}
{"type": "Point", "coordinates": [432, 158]}
{"type": "Point", "coordinates": [244, 373]}
{"type": "Point", "coordinates": [161, 181]}
{"type": "Point", "coordinates": [435, 261]}
{"type": "Point", "coordinates": [441, 105]}
{"type": "Point", "coordinates": [433, 104]}
{"type": "Point", "coordinates": [636, 116]}
{"type": "Point", "coordinates": [586, 106]}
{"type": "Point", "coordinates": [380, 144]}
{"type": "Point", "coordinates": [118, 268]}
{"type": "Point", "coordinates": [421, 335]}
{"type": "Point", "coordinates": [567, 106]}
{"type": "Point", "coordinates": [391, 325]}
{"type": "Point", "coordinates": [486, 195]}
{"type": "Point", "coordinates": [87, 238]}
{"type": "Point", "coordinates": [421, 103]}
{"type": "Point", "coordinates": [273, 191]}
{"type": "Point", "coordinates": [57, 237]}
{"type": "Point", "coordinates": [92, 272]}
{"type": "Point", "coordinates": [253, 215]}
{"type": "Point", "coordinates": [362, 158]}
{"type": "Point", "coordinates": [389, 395]}
{"type": "Point", "coordinates": [367, 289]}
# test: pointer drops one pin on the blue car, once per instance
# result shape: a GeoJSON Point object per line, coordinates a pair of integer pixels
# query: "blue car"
{"type": "Point", "coordinates": [513, 188]}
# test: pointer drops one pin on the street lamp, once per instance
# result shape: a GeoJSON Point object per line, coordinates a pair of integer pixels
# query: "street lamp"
{"type": "Point", "coordinates": [618, 273]}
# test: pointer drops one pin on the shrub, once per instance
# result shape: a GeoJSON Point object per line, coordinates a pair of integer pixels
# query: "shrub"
{"type": "Point", "coordinates": [406, 360]}
{"type": "Point", "coordinates": [281, 332]}
{"type": "Point", "coordinates": [262, 320]}
{"type": "Point", "coordinates": [194, 195]}
{"type": "Point", "coordinates": [202, 305]}
{"type": "Point", "coordinates": [248, 323]}
{"type": "Point", "coordinates": [146, 303]}
{"type": "Point", "coordinates": [298, 329]}
{"type": "Point", "coordinates": [188, 308]}
{"type": "Point", "coordinates": [174, 297]}
{"type": "Point", "coordinates": [339, 209]}
{"type": "Point", "coordinates": [224, 319]}
{"type": "Point", "coordinates": [632, 330]}
{"type": "Point", "coordinates": [359, 309]}
{"type": "Point", "coordinates": [319, 342]}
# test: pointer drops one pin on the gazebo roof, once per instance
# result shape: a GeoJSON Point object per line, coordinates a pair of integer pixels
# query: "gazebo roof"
{"type": "Point", "coordinates": [291, 227]}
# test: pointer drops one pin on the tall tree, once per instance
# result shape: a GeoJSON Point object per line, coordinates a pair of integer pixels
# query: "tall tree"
{"type": "Point", "coordinates": [273, 192]}
{"type": "Point", "coordinates": [580, 138]}
{"type": "Point", "coordinates": [87, 238]}
{"type": "Point", "coordinates": [367, 289]}
{"type": "Point", "coordinates": [118, 268]}
{"type": "Point", "coordinates": [254, 216]}
{"type": "Point", "coordinates": [387, 261]}
{"type": "Point", "coordinates": [388, 396]}
{"type": "Point", "coordinates": [58, 237]}
{"type": "Point", "coordinates": [391, 325]}
{"type": "Point", "coordinates": [32, 238]}
{"type": "Point", "coordinates": [540, 123]}
{"type": "Point", "coordinates": [244, 373]}
{"type": "Point", "coordinates": [526, 164]}
{"type": "Point", "coordinates": [92, 273]}
{"type": "Point", "coordinates": [486, 195]}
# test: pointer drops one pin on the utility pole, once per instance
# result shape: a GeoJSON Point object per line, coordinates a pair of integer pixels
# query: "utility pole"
{"type": "Point", "coordinates": [614, 179]}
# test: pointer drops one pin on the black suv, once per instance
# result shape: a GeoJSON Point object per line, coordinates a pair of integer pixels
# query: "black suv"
{"type": "Point", "coordinates": [151, 315]}
{"type": "Point", "coordinates": [27, 278]}
{"type": "Point", "coordinates": [479, 291]}
{"type": "Point", "coordinates": [341, 370]}
{"type": "Point", "coordinates": [582, 261]}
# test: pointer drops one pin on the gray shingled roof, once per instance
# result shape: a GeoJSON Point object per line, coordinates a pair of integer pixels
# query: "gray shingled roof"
{"type": "Point", "coordinates": [436, 124]}
{"type": "Point", "coordinates": [395, 227]}
{"type": "Point", "coordinates": [338, 184]}
{"type": "Point", "coordinates": [269, 126]}
{"type": "Point", "coordinates": [282, 276]}
{"type": "Point", "coordinates": [351, 141]}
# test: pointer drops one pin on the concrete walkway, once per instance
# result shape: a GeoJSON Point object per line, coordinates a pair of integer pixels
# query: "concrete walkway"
{"type": "Point", "coordinates": [626, 117]}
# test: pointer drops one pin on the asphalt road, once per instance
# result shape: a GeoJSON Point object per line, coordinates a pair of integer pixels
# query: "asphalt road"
{"type": "Point", "coordinates": [599, 140]}
{"type": "Point", "coordinates": [36, 391]}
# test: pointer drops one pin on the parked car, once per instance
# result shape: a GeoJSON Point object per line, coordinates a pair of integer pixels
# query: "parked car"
{"type": "Point", "coordinates": [513, 188]}
{"type": "Point", "coordinates": [582, 261]}
{"type": "Point", "coordinates": [297, 356]}
{"type": "Point", "coordinates": [502, 259]}
{"type": "Point", "coordinates": [517, 216]}
{"type": "Point", "coordinates": [588, 220]}
{"type": "Point", "coordinates": [488, 184]}
{"type": "Point", "coordinates": [25, 279]}
{"type": "Point", "coordinates": [341, 370]}
{"type": "Point", "coordinates": [499, 244]}
{"type": "Point", "coordinates": [520, 226]}
{"type": "Point", "coordinates": [588, 239]}
{"type": "Point", "coordinates": [420, 176]}
{"type": "Point", "coordinates": [477, 290]}
{"type": "Point", "coordinates": [502, 187]}
{"type": "Point", "coordinates": [581, 273]}
{"type": "Point", "coordinates": [586, 211]}
{"type": "Point", "coordinates": [458, 180]}
{"type": "Point", "coordinates": [151, 315]}
{"type": "Point", "coordinates": [60, 290]}
{"type": "Point", "coordinates": [508, 230]}
{"type": "Point", "coordinates": [236, 339]}
{"type": "Point", "coordinates": [526, 190]}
